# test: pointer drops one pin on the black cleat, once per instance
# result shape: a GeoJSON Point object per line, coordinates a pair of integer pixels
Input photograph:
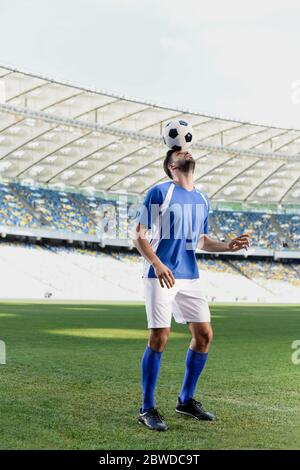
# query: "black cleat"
{"type": "Point", "coordinates": [153, 420]}
{"type": "Point", "coordinates": [194, 409]}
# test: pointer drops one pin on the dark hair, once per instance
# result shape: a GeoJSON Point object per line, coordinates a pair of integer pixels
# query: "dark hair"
{"type": "Point", "coordinates": [167, 160]}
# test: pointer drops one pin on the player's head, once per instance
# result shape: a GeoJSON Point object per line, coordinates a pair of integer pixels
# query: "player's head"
{"type": "Point", "coordinates": [178, 161]}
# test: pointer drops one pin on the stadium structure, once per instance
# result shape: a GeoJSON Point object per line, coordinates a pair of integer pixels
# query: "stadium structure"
{"type": "Point", "coordinates": [75, 163]}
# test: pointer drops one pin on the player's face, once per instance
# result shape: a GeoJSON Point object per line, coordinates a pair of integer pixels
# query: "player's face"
{"type": "Point", "coordinates": [183, 161]}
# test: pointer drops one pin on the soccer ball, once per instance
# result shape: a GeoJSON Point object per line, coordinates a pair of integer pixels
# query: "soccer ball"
{"type": "Point", "coordinates": [178, 135]}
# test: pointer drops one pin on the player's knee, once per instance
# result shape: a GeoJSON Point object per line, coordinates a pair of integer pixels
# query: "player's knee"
{"type": "Point", "coordinates": [203, 338]}
{"type": "Point", "coordinates": [207, 336]}
{"type": "Point", "coordinates": [158, 339]}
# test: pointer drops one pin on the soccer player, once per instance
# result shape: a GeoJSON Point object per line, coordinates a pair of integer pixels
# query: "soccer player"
{"type": "Point", "coordinates": [177, 215]}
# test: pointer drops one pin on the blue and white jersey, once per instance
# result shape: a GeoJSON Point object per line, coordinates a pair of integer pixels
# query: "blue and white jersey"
{"type": "Point", "coordinates": [176, 219]}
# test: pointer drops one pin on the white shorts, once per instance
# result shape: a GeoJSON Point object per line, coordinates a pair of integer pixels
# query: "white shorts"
{"type": "Point", "coordinates": [185, 301]}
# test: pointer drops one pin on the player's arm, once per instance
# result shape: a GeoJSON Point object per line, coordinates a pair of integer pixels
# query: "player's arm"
{"type": "Point", "coordinates": [236, 244]}
{"type": "Point", "coordinates": [163, 273]}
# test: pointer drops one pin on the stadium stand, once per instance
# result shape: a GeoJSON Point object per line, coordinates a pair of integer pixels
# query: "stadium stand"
{"type": "Point", "coordinates": [57, 208]}
{"type": "Point", "coordinates": [32, 206]}
{"type": "Point", "coordinates": [289, 229]}
{"type": "Point", "coordinates": [69, 157]}
{"type": "Point", "coordinates": [272, 270]}
{"type": "Point", "coordinates": [64, 272]}
{"type": "Point", "coordinates": [12, 211]}
{"type": "Point", "coordinates": [258, 225]}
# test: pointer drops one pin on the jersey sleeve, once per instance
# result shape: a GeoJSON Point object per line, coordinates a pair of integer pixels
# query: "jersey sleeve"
{"type": "Point", "coordinates": [150, 207]}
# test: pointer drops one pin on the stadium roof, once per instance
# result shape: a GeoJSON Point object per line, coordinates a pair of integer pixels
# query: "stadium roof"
{"type": "Point", "coordinates": [60, 133]}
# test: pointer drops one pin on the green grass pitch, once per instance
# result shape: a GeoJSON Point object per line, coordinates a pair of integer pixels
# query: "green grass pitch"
{"type": "Point", "coordinates": [72, 378]}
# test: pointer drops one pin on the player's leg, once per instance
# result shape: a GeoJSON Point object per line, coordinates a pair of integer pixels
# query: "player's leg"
{"type": "Point", "coordinates": [149, 415]}
{"type": "Point", "coordinates": [159, 314]}
{"type": "Point", "coordinates": [195, 362]}
{"type": "Point", "coordinates": [192, 308]}
{"type": "Point", "coordinates": [151, 360]}
{"type": "Point", "coordinates": [196, 358]}
{"type": "Point", "coordinates": [202, 335]}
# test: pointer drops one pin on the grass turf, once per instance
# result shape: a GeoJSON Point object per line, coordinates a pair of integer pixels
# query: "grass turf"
{"type": "Point", "coordinates": [72, 379]}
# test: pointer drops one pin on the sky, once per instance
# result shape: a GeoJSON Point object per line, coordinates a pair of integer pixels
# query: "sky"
{"type": "Point", "coordinates": [230, 58]}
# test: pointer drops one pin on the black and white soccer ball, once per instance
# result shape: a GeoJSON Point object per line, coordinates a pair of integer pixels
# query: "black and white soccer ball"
{"type": "Point", "coordinates": [178, 134]}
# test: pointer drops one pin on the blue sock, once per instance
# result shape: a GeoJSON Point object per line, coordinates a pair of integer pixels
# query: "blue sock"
{"type": "Point", "coordinates": [195, 363]}
{"type": "Point", "coordinates": [150, 370]}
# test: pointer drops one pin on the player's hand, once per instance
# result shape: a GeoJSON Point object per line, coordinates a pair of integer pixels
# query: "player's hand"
{"type": "Point", "coordinates": [165, 275]}
{"type": "Point", "coordinates": [239, 243]}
